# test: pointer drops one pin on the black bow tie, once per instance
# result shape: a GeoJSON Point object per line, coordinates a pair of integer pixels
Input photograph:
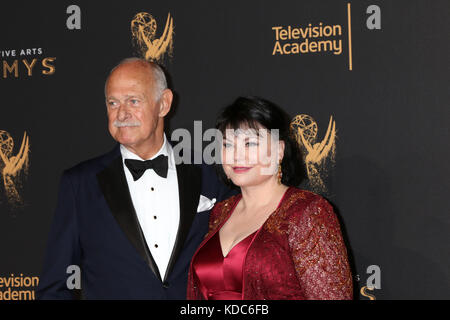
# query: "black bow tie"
{"type": "Point", "coordinates": [138, 167]}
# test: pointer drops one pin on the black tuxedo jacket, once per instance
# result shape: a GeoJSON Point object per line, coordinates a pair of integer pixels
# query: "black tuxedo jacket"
{"type": "Point", "coordinates": [96, 228]}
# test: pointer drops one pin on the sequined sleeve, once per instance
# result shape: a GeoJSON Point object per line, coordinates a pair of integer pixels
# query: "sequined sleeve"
{"type": "Point", "coordinates": [319, 253]}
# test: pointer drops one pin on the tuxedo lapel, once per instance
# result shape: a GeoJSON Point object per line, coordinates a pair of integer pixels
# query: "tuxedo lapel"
{"type": "Point", "coordinates": [114, 186]}
{"type": "Point", "coordinates": [189, 188]}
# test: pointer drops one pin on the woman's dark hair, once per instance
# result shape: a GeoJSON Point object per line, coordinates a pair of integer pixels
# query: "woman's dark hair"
{"type": "Point", "coordinates": [254, 112]}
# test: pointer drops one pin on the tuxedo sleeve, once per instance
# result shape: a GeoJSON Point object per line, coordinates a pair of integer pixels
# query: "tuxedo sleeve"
{"type": "Point", "coordinates": [63, 248]}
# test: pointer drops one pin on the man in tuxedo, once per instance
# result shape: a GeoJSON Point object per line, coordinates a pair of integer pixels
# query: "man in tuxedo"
{"type": "Point", "coordinates": [131, 219]}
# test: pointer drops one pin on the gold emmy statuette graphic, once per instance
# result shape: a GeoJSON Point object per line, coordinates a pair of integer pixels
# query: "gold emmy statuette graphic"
{"type": "Point", "coordinates": [305, 130]}
{"type": "Point", "coordinates": [11, 166]}
{"type": "Point", "coordinates": [143, 31]}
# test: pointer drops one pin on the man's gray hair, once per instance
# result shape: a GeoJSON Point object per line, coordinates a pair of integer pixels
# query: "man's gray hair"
{"type": "Point", "coordinates": [159, 77]}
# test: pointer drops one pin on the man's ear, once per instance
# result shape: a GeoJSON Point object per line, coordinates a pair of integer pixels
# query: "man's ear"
{"type": "Point", "coordinates": [165, 102]}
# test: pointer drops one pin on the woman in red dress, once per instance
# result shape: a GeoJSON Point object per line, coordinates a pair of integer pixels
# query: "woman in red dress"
{"type": "Point", "coordinates": [273, 241]}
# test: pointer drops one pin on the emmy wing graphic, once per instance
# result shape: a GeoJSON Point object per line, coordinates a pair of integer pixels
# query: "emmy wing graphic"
{"type": "Point", "coordinates": [305, 130]}
{"type": "Point", "coordinates": [143, 30]}
{"type": "Point", "coordinates": [11, 166]}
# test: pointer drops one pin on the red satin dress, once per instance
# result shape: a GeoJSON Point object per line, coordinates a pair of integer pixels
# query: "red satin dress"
{"type": "Point", "coordinates": [219, 277]}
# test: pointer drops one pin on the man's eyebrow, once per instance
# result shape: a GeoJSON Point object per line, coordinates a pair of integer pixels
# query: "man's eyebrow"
{"type": "Point", "coordinates": [126, 96]}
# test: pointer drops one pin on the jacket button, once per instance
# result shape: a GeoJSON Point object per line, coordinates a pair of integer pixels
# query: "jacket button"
{"type": "Point", "coordinates": [165, 285]}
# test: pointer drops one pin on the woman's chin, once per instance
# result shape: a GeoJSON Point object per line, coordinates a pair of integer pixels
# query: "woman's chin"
{"type": "Point", "coordinates": [243, 182]}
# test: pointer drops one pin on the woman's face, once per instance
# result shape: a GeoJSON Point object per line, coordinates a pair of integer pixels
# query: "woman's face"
{"type": "Point", "coordinates": [250, 157]}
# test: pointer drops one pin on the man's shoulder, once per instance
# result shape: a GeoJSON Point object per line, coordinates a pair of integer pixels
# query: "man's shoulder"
{"type": "Point", "coordinates": [94, 165]}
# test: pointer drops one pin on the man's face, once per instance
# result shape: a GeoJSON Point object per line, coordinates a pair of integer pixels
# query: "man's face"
{"type": "Point", "coordinates": [134, 113]}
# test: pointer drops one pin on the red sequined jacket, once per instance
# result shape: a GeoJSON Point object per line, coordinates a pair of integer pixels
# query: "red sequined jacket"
{"type": "Point", "coordinates": [298, 253]}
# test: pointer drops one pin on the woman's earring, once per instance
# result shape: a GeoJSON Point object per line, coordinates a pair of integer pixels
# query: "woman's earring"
{"type": "Point", "coordinates": [279, 173]}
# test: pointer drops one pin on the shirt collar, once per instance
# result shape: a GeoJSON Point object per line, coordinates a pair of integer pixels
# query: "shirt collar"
{"type": "Point", "coordinates": [166, 149]}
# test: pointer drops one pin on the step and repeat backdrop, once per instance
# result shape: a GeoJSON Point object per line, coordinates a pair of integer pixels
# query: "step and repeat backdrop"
{"type": "Point", "coordinates": [365, 82]}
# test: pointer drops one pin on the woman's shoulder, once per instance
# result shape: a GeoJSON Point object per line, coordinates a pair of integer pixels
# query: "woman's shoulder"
{"type": "Point", "coordinates": [227, 203]}
{"type": "Point", "coordinates": [222, 209]}
{"type": "Point", "coordinates": [302, 203]}
{"type": "Point", "coordinates": [297, 196]}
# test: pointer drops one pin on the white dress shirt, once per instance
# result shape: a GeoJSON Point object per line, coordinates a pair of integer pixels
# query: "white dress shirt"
{"type": "Point", "coordinates": [157, 205]}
